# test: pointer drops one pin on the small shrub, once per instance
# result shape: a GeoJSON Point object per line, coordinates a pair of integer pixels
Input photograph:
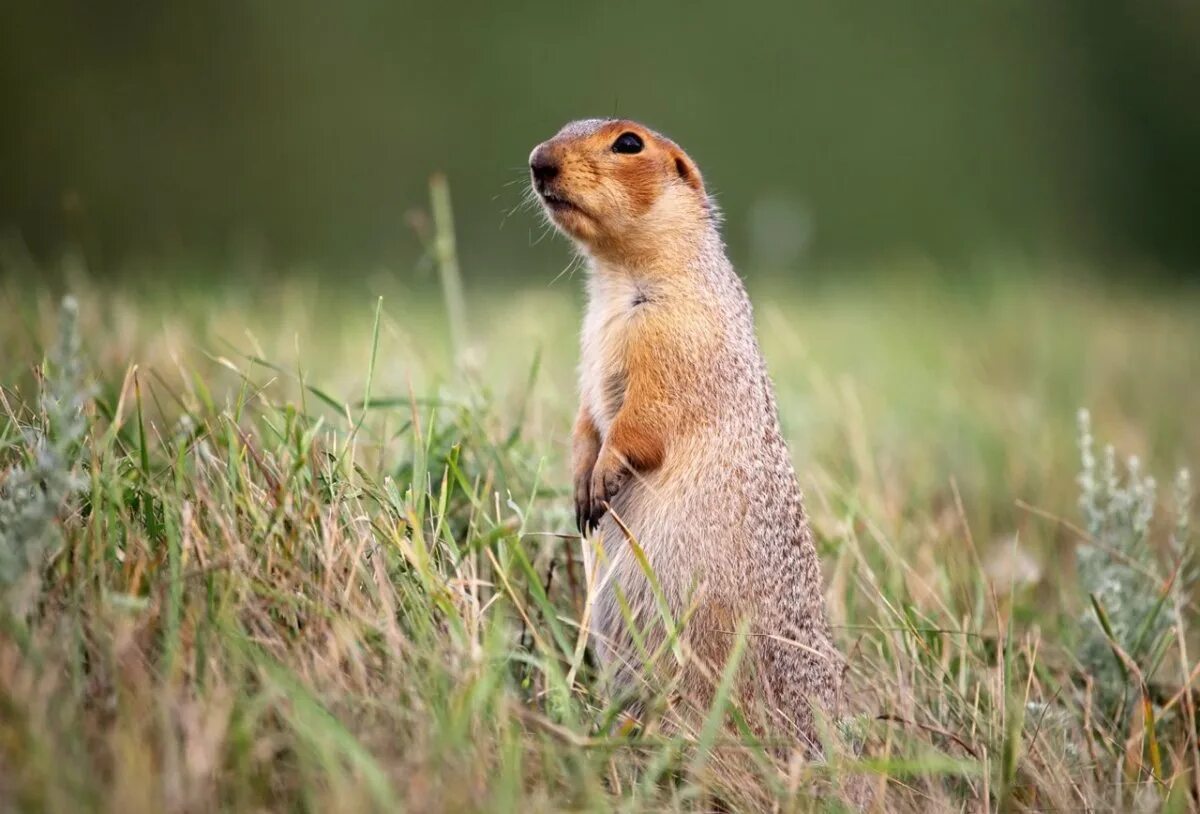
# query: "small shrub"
{"type": "Point", "coordinates": [1131, 620]}
{"type": "Point", "coordinates": [35, 489]}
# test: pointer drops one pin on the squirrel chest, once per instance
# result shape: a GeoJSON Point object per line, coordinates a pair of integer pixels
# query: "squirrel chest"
{"type": "Point", "coordinates": [617, 307]}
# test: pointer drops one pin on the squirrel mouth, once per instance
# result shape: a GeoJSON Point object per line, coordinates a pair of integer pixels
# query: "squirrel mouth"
{"type": "Point", "coordinates": [557, 203]}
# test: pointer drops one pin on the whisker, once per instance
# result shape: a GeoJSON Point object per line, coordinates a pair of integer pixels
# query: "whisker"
{"type": "Point", "coordinates": [528, 200]}
{"type": "Point", "coordinates": [549, 228]}
{"type": "Point", "coordinates": [568, 269]}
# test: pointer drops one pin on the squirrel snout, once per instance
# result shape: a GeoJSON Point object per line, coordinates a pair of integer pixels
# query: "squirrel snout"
{"type": "Point", "coordinates": [542, 165]}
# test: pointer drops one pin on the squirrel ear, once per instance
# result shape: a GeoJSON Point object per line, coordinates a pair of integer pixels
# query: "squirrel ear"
{"type": "Point", "coordinates": [688, 172]}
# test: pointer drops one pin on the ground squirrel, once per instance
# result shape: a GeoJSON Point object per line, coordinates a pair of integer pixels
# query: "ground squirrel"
{"type": "Point", "coordinates": [678, 433]}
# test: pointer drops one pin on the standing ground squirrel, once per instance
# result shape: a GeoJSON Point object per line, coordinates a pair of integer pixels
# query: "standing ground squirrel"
{"type": "Point", "coordinates": [679, 435]}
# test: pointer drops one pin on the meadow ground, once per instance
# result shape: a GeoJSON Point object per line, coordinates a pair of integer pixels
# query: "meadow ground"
{"type": "Point", "coordinates": [279, 545]}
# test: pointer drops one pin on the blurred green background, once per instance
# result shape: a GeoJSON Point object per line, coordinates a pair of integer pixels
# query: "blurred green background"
{"type": "Point", "coordinates": [303, 134]}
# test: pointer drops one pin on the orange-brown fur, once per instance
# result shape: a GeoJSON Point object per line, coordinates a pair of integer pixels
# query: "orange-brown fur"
{"type": "Point", "coordinates": [677, 441]}
{"type": "Point", "coordinates": [601, 187]}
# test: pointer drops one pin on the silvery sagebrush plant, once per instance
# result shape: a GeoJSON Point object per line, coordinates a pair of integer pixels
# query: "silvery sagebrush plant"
{"type": "Point", "coordinates": [1134, 601]}
{"type": "Point", "coordinates": [1184, 554]}
{"type": "Point", "coordinates": [42, 475]}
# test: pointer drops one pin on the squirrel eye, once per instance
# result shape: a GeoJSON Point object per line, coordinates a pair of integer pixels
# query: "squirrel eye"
{"type": "Point", "coordinates": [628, 143]}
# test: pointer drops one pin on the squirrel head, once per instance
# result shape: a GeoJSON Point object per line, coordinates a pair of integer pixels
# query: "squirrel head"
{"type": "Point", "coordinates": [623, 192]}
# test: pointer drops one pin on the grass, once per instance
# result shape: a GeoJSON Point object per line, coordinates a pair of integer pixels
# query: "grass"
{"type": "Point", "coordinates": [305, 555]}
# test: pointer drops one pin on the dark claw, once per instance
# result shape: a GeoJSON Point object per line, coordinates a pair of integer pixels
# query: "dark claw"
{"type": "Point", "coordinates": [583, 501]}
{"type": "Point", "coordinates": [595, 513]}
{"type": "Point", "coordinates": [583, 518]}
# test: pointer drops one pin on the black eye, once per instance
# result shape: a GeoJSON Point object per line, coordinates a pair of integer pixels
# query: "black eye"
{"type": "Point", "coordinates": [628, 143]}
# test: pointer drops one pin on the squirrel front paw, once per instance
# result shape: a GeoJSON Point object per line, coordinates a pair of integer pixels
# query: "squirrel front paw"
{"type": "Point", "coordinates": [608, 477]}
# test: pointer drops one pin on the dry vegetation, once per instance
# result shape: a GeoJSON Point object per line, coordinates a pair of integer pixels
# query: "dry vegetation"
{"type": "Point", "coordinates": [266, 549]}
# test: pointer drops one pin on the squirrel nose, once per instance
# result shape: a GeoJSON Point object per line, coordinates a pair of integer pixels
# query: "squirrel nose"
{"type": "Point", "coordinates": [543, 167]}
